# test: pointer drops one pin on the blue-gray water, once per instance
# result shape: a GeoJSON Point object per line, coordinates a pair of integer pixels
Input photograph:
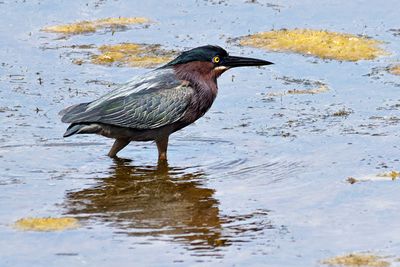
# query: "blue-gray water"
{"type": "Point", "coordinates": [256, 182]}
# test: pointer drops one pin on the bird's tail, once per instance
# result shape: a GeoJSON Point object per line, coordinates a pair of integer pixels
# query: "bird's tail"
{"type": "Point", "coordinates": [82, 129]}
{"type": "Point", "coordinates": [73, 129]}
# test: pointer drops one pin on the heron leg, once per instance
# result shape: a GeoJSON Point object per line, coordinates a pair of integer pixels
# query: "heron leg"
{"type": "Point", "coordinates": [117, 146]}
{"type": "Point", "coordinates": [162, 146]}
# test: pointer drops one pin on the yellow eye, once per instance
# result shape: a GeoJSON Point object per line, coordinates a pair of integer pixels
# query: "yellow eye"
{"type": "Point", "coordinates": [215, 59]}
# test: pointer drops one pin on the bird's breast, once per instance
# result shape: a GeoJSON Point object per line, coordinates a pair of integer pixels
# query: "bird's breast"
{"type": "Point", "coordinates": [201, 101]}
{"type": "Point", "coordinates": [203, 81]}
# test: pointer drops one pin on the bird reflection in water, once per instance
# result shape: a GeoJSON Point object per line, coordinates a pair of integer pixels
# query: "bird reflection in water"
{"type": "Point", "coordinates": [163, 202]}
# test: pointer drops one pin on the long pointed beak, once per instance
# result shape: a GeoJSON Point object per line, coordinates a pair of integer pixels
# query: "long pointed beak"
{"type": "Point", "coordinates": [232, 62]}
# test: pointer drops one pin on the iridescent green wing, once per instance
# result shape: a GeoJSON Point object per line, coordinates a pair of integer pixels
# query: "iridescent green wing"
{"type": "Point", "coordinates": [150, 102]}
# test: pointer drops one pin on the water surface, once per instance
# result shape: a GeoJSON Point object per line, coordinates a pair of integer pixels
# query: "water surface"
{"type": "Point", "coordinates": [259, 181]}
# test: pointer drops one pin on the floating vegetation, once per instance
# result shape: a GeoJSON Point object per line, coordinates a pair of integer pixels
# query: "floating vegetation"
{"type": "Point", "coordinates": [387, 176]}
{"type": "Point", "coordinates": [323, 88]}
{"type": "Point", "coordinates": [393, 175]}
{"type": "Point", "coordinates": [46, 224]}
{"type": "Point", "coordinates": [342, 112]}
{"type": "Point", "coordinates": [132, 55]}
{"type": "Point", "coordinates": [395, 70]}
{"type": "Point", "coordinates": [395, 32]}
{"type": "Point", "coordinates": [309, 87]}
{"type": "Point", "coordinates": [352, 180]}
{"type": "Point", "coordinates": [319, 43]}
{"type": "Point", "coordinates": [94, 25]}
{"type": "Point", "coordinates": [367, 260]}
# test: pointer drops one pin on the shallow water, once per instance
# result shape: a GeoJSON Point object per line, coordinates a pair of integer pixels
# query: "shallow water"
{"type": "Point", "coordinates": [259, 181]}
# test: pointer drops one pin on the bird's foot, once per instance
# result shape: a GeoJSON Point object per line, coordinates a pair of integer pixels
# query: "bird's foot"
{"type": "Point", "coordinates": [162, 157]}
{"type": "Point", "coordinates": [162, 146]}
{"type": "Point", "coordinates": [117, 146]}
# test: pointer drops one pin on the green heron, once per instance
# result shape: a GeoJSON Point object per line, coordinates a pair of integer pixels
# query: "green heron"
{"type": "Point", "coordinates": [159, 103]}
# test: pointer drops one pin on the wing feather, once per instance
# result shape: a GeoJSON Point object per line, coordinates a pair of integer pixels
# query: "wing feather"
{"type": "Point", "coordinates": [155, 100]}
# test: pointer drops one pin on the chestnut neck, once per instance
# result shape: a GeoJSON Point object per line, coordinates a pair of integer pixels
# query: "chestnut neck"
{"type": "Point", "coordinates": [202, 75]}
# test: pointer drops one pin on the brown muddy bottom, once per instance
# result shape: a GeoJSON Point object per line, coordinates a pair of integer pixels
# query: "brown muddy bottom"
{"type": "Point", "coordinates": [261, 180]}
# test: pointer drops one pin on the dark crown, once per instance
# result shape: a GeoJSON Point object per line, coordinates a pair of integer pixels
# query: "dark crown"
{"type": "Point", "coordinates": [202, 53]}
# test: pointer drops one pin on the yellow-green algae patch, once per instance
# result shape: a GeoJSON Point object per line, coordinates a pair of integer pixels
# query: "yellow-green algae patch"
{"type": "Point", "coordinates": [94, 25]}
{"type": "Point", "coordinates": [392, 175]}
{"type": "Point", "coordinates": [320, 43]}
{"type": "Point", "coordinates": [46, 224]}
{"type": "Point", "coordinates": [395, 69]}
{"type": "Point", "coordinates": [386, 176]}
{"type": "Point", "coordinates": [132, 55]}
{"type": "Point", "coordinates": [353, 260]}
